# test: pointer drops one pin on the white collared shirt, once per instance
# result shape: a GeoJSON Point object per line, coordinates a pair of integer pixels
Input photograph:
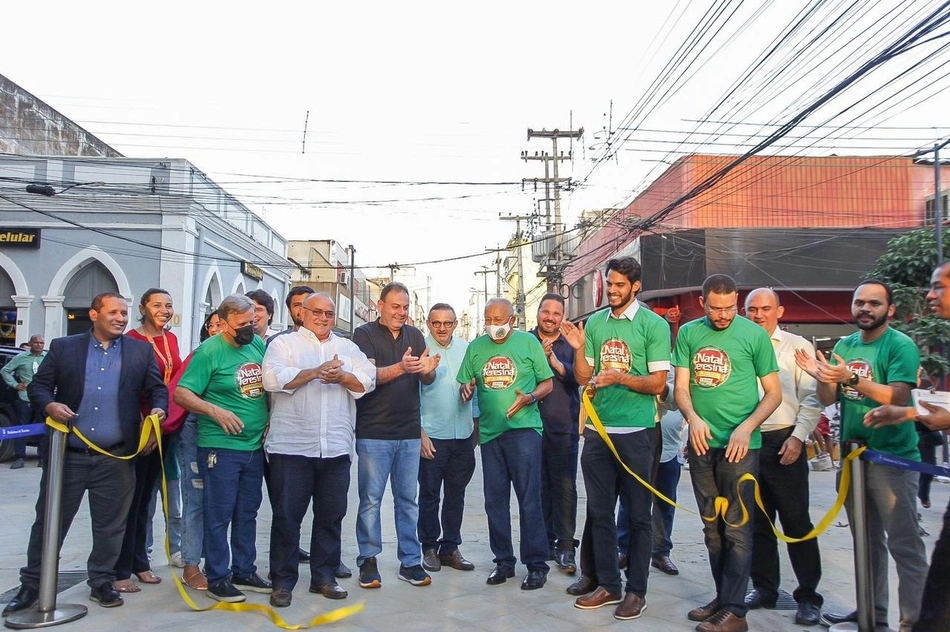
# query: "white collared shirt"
{"type": "Point", "coordinates": [316, 419]}
{"type": "Point", "coordinates": [800, 406]}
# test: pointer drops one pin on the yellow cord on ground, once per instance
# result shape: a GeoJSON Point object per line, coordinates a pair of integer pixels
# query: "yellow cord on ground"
{"type": "Point", "coordinates": [721, 504]}
{"type": "Point", "coordinates": [152, 426]}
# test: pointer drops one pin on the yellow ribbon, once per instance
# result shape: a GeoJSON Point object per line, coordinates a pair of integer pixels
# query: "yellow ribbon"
{"type": "Point", "coordinates": [152, 426]}
{"type": "Point", "coordinates": [721, 504]}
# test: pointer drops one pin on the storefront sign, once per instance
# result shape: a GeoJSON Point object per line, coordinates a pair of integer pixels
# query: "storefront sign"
{"type": "Point", "coordinates": [19, 237]}
{"type": "Point", "coordinates": [252, 271]}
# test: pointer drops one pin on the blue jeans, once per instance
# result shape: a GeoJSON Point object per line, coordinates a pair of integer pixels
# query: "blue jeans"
{"type": "Point", "coordinates": [514, 459]}
{"type": "Point", "coordinates": [296, 481]}
{"type": "Point", "coordinates": [559, 494]}
{"type": "Point", "coordinates": [397, 461]}
{"type": "Point", "coordinates": [451, 470]}
{"type": "Point", "coordinates": [667, 478]}
{"type": "Point", "coordinates": [730, 548]}
{"type": "Point", "coordinates": [233, 481]}
{"type": "Point", "coordinates": [192, 493]}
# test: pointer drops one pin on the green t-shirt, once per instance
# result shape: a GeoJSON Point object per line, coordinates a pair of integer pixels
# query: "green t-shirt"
{"type": "Point", "coordinates": [893, 357]}
{"type": "Point", "coordinates": [499, 369]}
{"type": "Point", "coordinates": [638, 347]}
{"type": "Point", "coordinates": [724, 366]}
{"type": "Point", "coordinates": [231, 378]}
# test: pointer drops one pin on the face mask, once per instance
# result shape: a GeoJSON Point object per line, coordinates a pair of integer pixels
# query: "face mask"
{"type": "Point", "coordinates": [244, 335]}
{"type": "Point", "coordinates": [498, 332]}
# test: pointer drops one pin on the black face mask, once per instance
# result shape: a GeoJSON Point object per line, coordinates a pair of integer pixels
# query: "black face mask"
{"type": "Point", "coordinates": [244, 335]}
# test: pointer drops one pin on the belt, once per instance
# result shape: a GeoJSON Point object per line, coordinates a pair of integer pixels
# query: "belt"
{"type": "Point", "coordinates": [90, 452]}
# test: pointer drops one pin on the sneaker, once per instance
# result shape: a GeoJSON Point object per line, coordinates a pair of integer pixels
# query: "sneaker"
{"type": "Point", "coordinates": [369, 574]}
{"type": "Point", "coordinates": [17, 464]}
{"type": "Point", "coordinates": [415, 575]}
{"type": "Point", "coordinates": [252, 583]}
{"type": "Point", "coordinates": [176, 560]}
{"type": "Point", "coordinates": [225, 591]}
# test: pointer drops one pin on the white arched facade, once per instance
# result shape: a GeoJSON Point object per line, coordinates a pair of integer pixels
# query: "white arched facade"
{"type": "Point", "coordinates": [54, 297]}
{"type": "Point", "coordinates": [22, 298]}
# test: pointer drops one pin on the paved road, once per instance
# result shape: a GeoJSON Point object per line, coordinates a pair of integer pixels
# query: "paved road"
{"type": "Point", "coordinates": [454, 600]}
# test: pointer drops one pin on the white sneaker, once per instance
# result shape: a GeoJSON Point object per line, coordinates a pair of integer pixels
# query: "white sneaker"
{"type": "Point", "coordinates": [176, 560]}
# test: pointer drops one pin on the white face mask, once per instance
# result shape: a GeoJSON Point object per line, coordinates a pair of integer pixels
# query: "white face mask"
{"type": "Point", "coordinates": [498, 332]}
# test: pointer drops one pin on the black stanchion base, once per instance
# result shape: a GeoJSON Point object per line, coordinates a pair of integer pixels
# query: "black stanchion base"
{"type": "Point", "coordinates": [33, 618]}
{"type": "Point", "coordinates": [853, 627]}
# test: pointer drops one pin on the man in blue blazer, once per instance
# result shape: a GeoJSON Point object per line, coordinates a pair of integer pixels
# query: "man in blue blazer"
{"type": "Point", "coordinates": [97, 381]}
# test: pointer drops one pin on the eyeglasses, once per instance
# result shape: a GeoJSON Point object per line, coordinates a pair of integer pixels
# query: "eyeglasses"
{"type": "Point", "coordinates": [723, 311]}
{"type": "Point", "coordinates": [319, 313]}
{"type": "Point", "coordinates": [442, 323]}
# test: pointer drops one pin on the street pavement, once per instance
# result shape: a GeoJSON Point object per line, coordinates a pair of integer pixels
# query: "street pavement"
{"type": "Point", "coordinates": [455, 599]}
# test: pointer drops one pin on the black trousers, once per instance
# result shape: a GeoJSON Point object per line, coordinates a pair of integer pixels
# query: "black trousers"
{"type": "Point", "coordinates": [935, 607]}
{"type": "Point", "coordinates": [109, 483]}
{"type": "Point", "coordinates": [784, 491]}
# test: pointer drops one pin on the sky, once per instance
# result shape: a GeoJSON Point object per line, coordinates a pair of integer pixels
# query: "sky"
{"type": "Point", "coordinates": [422, 108]}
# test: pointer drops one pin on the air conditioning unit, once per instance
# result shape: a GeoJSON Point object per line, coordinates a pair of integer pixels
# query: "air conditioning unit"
{"type": "Point", "coordinates": [345, 278]}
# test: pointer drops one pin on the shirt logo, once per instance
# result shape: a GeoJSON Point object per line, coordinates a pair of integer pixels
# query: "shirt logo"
{"type": "Point", "coordinates": [711, 367]}
{"type": "Point", "coordinates": [863, 368]}
{"type": "Point", "coordinates": [615, 354]}
{"type": "Point", "coordinates": [249, 379]}
{"type": "Point", "coordinates": [499, 373]}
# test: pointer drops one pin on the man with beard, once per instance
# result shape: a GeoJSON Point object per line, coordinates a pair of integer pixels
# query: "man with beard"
{"type": "Point", "coordinates": [559, 414]}
{"type": "Point", "coordinates": [625, 355]}
{"type": "Point", "coordinates": [874, 366]}
{"type": "Point", "coordinates": [718, 360]}
{"type": "Point", "coordinates": [295, 301]}
{"type": "Point", "coordinates": [935, 608]}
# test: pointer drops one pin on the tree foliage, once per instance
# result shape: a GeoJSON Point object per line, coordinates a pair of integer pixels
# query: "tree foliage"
{"type": "Point", "coordinates": [906, 265]}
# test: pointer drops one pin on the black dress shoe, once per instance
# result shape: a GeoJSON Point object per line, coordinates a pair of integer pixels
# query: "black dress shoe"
{"type": "Point", "coordinates": [665, 564]}
{"type": "Point", "coordinates": [566, 562]}
{"type": "Point", "coordinates": [582, 586]}
{"type": "Point", "coordinates": [757, 599]}
{"type": "Point", "coordinates": [281, 598]}
{"type": "Point", "coordinates": [303, 556]}
{"type": "Point", "coordinates": [330, 590]}
{"type": "Point", "coordinates": [343, 571]}
{"type": "Point", "coordinates": [808, 614]}
{"type": "Point", "coordinates": [25, 598]}
{"type": "Point", "coordinates": [500, 575]}
{"type": "Point", "coordinates": [534, 579]}
{"type": "Point", "coordinates": [106, 595]}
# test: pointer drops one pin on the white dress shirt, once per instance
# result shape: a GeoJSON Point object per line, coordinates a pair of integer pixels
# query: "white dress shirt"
{"type": "Point", "coordinates": [800, 406]}
{"type": "Point", "coordinates": [316, 419]}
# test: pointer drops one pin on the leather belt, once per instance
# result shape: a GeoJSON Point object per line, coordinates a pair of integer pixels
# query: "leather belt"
{"type": "Point", "coordinates": [90, 452]}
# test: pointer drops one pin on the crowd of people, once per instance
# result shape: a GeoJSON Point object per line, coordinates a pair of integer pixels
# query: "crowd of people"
{"type": "Point", "coordinates": [253, 409]}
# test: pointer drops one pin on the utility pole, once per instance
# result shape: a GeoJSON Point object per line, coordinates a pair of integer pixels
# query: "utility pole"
{"type": "Point", "coordinates": [484, 272]}
{"type": "Point", "coordinates": [519, 236]}
{"type": "Point", "coordinates": [554, 267]}
{"type": "Point", "coordinates": [352, 289]}
{"type": "Point", "coordinates": [938, 195]}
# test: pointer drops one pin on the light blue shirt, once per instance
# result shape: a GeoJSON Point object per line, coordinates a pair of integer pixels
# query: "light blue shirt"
{"type": "Point", "coordinates": [444, 415]}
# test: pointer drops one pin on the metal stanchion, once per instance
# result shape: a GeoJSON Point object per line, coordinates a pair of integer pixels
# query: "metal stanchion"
{"type": "Point", "coordinates": [47, 613]}
{"type": "Point", "coordinates": [863, 581]}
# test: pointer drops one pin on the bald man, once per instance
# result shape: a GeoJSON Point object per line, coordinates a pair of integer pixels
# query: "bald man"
{"type": "Point", "coordinates": [783, 470]}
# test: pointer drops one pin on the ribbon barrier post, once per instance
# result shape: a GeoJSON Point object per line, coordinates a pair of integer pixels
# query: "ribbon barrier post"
{"type": "Point", "coordinates": [47, 613]}
{"type": "Point", "coordinates": [864, 588]}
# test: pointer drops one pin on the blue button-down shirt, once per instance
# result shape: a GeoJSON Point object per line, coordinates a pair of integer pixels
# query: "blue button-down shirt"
{"type": "Point", "coordinates": [98, 412]}
{"type": "Point", "coordinates": [444, 415]}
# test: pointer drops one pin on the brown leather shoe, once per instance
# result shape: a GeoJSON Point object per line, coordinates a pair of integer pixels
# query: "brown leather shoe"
{"type": "Point", "coordinates": [723, 621]}
{"type": "Point", "coordinates": [431, 561]}
{"type": "Point", "coordinates": [598, 598]}
{"type": "Point", "coordinates": [456, 561]}
{"type": "Point", "coordinates": [704, 612]}
{"type": "Point", "coordinates": [631, 607]}
{"type": "Point", "coordinates": [665, 564]}
{"type": "Point", "coordinates": [582, 586]}
{"type": "Point", "coordinates": [330, 590]}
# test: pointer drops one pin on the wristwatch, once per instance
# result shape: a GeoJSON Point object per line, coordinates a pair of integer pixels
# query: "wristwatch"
{"type": "Point", "coordinates": [534, 400]}
{"type": "Point", "coordinates": [853, 380]}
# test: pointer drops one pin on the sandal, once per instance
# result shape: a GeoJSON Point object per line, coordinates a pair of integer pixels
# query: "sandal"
{"type": "Point", "coordinates": [194, 578]}
{"type": "Point", "coordinates": [148, 577]}
{"type": "Point", "coordinates": [125, 586]}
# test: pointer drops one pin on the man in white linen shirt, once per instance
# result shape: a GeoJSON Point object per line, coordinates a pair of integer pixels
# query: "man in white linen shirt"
{"type": "Point", "coordinates": [315, 378]}
{"type": "Point", "coordinates": [783, 470]}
